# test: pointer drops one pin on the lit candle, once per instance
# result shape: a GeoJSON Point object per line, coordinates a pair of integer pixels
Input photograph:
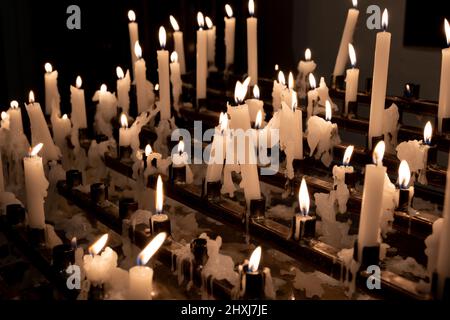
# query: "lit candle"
{"type": "Point", "coordinates": [52, 97]}
{"type": "Point", "coordinates": [372, 201]}
{"type": "Point", "coordinates": [144, 89]}
{"type": "Point", "coordinates": [123, 89]}
{"type": "Point", "coordinates": [305, 67]}
{"type": "Point", "coordinates": [202, 57]}
{"type": "Point", "coordinates": [255, 105]}
{"type": "Point", "coordinates": [324, 95]}
{"type": "Point", "coordinates": [5, 121]}
{"type": "Point", "coordinates": [15, 118]}
{"type": "Point", "coordinates": [160, 221]}
{"type": "Point", "coordinates": [252, 281]}
{"type": "Point", "coordinates": [405, 193]}
{"type": "Point", "coordinates": [124, 132]}
{"type": "Point", "coordinates": [178, 44]}
{"type": "Point", "coordinates": [313, 95]}
{"type": "Point", "coordinates": [239, 115]}
{"type": "Point", "coordinates": [278, 87]}
{"type": "Point", "coordinates": [230, 27]}
{"type": "Point", "coordinates": [175, 79]}
{"type": "Point", "coordinates": [36, 186]}
{"type": "Point", "coordinates": [211, 43]}
{"type": "Point", "coordinates": [303, 225]}
{"type": "Point", "coordinates": [347, 37]}
{"type": "Point", "coordinates": [106, 110]}
{"type": "Point", "coordinates": [134, 37]}
{"type": "Point", "coordinates": [78, 105]}
{"type": "Point", "coordinates": [444, 93]}
{"type": "Point", "coordinates": [152, 158]}
{"type": "Point", "coordinates": [61, 130]}
{"type": "Point", "coordinates": [339, 172]}
{"type": "Point", "coordinates": [252, 44]}
{"type": "Point", "coordinates": [343, 179]}
{"type": "Point", "coordinates": [164, 78]}
{"type": "Point", "coordinates": [98, 266]}
{"type": "Point", "coordinates": [352, 79]}
{"type": "Point", "coordinates": [218, 151]}
{"type": "Point", "coordinates": [40, 131]}
{"type": "Point", "coordinates": [380, 75]}
{"type": "Point", "coordinates": [288, 93]}
{"type": "Point", "coordinates": [141, 277]}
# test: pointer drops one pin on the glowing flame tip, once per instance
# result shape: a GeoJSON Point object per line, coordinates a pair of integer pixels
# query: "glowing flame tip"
{"type": "Point", "coordinates": [98, 245]}
{"type": "Point", "coordinates": [174, 23]}
{"type": "Point", "coordinates": [303, 198]}
{"type": "Point", "coordinates": [255, 258]}
{"type": "Point", "coordinates": [48, 67]}
{"type": "Point", "coordinates": [119, 73]}
{"type": "Point", "coordinates": [229, 11]}
{"type": "Point", "coordinates": [162, 37]}
{"type": "Point", "coordinates": [404, 174]}
{"type": "Point", "coordinates": [154, 245]}
{"type": "Point", "coordinates": [131, 16]}
{"type": "Point", "coordinates": [378, 153]}
{"type": "Point", "coordinates": [348, 155]}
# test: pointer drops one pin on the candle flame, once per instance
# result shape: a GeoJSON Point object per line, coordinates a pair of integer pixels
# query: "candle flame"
{"type": "Point", "coordinates": [34, 152]}
{"type": "Point", "coordinates": [404, 174]}
{"type": "Point", "coordinates": [124, 120]}
{"type": "Point", "coordinates": [131, 16]}
{"type": "Point", "coordinates": [148, 150]}
{"type": "Point", "coordinates": [98, 245]}
{"type": "Point", "coordinates": [137, 50]}
{"type": "Point", "coordinates": [312, 81]}
{"type": "Point", "coordinates": [65, 117]}
{"type": "Point", "coordinates": [255, 258]}
{"type": "Point", "coordinates": [119, 73]}
{"type": "Point", "coordinates": [327, 110]}
{"type": "Point", "coordinates": [209, 22]}
{"type": "Point", "coordinates": [447, 31]}
{"type": "Point", "coordinates": [308, 54]}
{"type": "Point", "coordinates": [162, 37]}
{"type": "Point", "coordinates": [103, 88]}
{"type": "Point", "coordinates": [303, 198]}
{"type": "Point", "coordinates": [31, 97]}
{"type": "Point", "coordinates": [258, 121]}
{"type": "Point", "coordinates": [427, 133]}
{"type": "Point", "coordinates": [408, 88]}
{"type": "Point", "coordinates": [148, 252]}
{"type": "Point", "coordinates": [5, 116]}
{"type": "Point", "coordinates": [385, 19]}
{"type": "Point", "coordinates": [281, 78]}
{"type": "Point", "coordinates": [48, 67]}
{"type": "Point", "coordinates": [246, 83]}
{"type": "Point", "coordinates": [174, 57]}
{"type": "Point", "coordinates": [277, 67]}
{"type": "Point", "coordinates": [157, 87]}
{"type": "Point", "coordinates": [256, 92]}
{"type": "Point", "coordinates": [14, 104]}
{"type": "Point", "coordinates": [159, 195]}
{"type": "Point", "coordinates": [348, 155]}
{"type": "Point", "coordinates": [355, 3]}
{"type": "Point", "coordinates": [78, 82]}
{"type": "Point", "coordinates": [291, 81]}
{"type": "Point", "coordinates": [378, 153]}
{"type": "Point", "coordinates": [240, 92]}
{"type": "Point", "coordinates": [251, 7]}
{"type": "Point", "coordinates": [223, 121]}
{"type": "Point", "coordinates": [352, 54]}
{"type": "Point", "coordinates": [181, 146]}
{"type": "Point", "coordinates": [174, 23]}
{"type": "Point", "coordinates": [229, 11]}
{"type": "Point", "coordinates": [200, 20]}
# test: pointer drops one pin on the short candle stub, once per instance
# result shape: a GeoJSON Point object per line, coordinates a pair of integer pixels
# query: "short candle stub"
{"type": "Point", "coordinates": [15, 214]}
{"type": "Point", "coordinates": [252, 283]}
{"type": "Point", "coordinates": [99, 192]}
{"type": "Point", "coordinates": [200, 251]}
{"type": "Point", "coordinates": [432, 155]}
{"type": "Point", "coordinates": [73, 178]}
{"type": "Point", "coordinates": [445, 294]}
{"type": "Point", "coordinates": [212, 191]}
{"type": "Point", "coordinates": [127, 207]}
{"type": "Point", "coordinates": [258, 208]}
{"type": "Point", "coordinates": [404, 200]}
{"type": "Point", "coordinates": [370, 256]}
{"type": "Point", "coordinates": [63, 257]}
{"type": "Point", "coordinates": [303, 227]}
{"type": "Point", "coordinates": [160, 223]}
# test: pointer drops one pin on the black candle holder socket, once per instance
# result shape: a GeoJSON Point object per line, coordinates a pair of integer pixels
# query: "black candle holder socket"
{"type": "Point", "coordinates": [446, 125]}
{"type": "Point", "coordinates": [257, 208]}
{"type": "Point", "coordinates": [352, 108]}
{"type": "Point", "coordinates": [445, 296]}
{"type": "Point", "coordinates": [63, 257]}
{"type": "Point", "coordinates": [74, 178]}
{"type": "Point", "coordinates": [370, 256]}
{"type": "Point", "coordinates": [99, 192]}
{"type": "Point", "coordinates": [178, 174]}
{"type": "Point", "coordinates": [15, 214]}
{"type": "Point", "coordinates": [127, 207]}
{"type": "Point", "coordinates": [253, 284]}
{"type": "Point", "coordinates": [413, 92]}
{"type": "Point", "coordinates": [125, 152]}
{"type": "Point", "coordinates": [338, 82]}
{"type": "Point", "coordinates": [36, 237]}
{"type": "Point", "coordinates": [157, 227]}
{"type": "Point", "coordinates": [403, 200]}
{"type": "Point", "coordinates": [369, 82]}
{"type": "Point", "coordinates": [211, 190]}
{"type": "Point", "coordinates": [432, 155]}
{"type": "Point", "coordinates": [307, 228]}
{"type": "Point", "coordinates": [200, 251]}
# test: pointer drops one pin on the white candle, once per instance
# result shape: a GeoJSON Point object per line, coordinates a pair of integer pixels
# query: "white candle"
{"type": "Point", "coordinates": [106, 110]}
{"type": "Point", "coordinates": [178, 44]}
{"type": "Point", "coordinates": [143, 92]}
{"type": "Point", "coordinates": [5, 121]}
{"type": "Point", "coordinates": [175, 79]}
{"type": "Point", "coordinates": [444, 93]}
{"type": "Point", "coordinates": [98, 267]}
{"type": "Point", "coordinates": [352, 79]}
{"type": "Point", "coordinates": [288, 94]}
{"type": "Point", "coordinates": [151, 156]}
{"type": "Point", "coordinates": [52, 97]}
{"type": "Point", "coordinates": [202, 59]}
{"type": "Point", "coordinates": [164, 78]}
{"type": "Point", "coordinates": [230, 27]}
{"type": "Point", "coordinates": [372, 201]}
{"type": "Point", "coordinates": [78, 105]}
{"type": "Point", "coordinates": [380, 74]}
{"type": "Point", "coordinates": [305, 67]}
{"type": "Point", "coordinates": [252, 44]}
{"type": "Point", "coordinates": [312, 96]}
{"type": "Point", "coordinates": [181, 158]}
{"type": "Point", "coordinates": [141, 277]}
{"type": "Point", "coordinates": [61, 130]}
{"type": "Point", "coordinates": [347, 37]}
{"type": "Point", "coordinates": [249, 169]}
{"type": "Point", "coordinates": [123, 89]}
{"type": "Point", "coordinates": [255, 105]}
{"type": "Point", "coordinates": [134, 37]}
{"type": "Point", "coordinates": [36, 186]}
{"type": "Point", "coordinates": [40, 131]}
{"type": "Point", "coordinates": [124, 132]}
{"type": "Point", "coordinates": [218, 151]}
{"type": "Point", "coordinates": [15, 118]}
{"type": "Point", "coordinates": [278, 87]}
{"type": "Point", "coordinates": [211, 42]}
{"type": "Point", "coordinates": [239, 115]}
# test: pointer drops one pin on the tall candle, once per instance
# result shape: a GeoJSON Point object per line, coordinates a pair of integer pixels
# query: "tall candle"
{"type": "Point", "coordinates": [252, 44]}
{"type": "Point", "coordinates": [123, 89]}
{"type": "Point", "coordinates": [140, 78]}
{"type": "Point", "coordinates": [444, 93]}
{"type": "Point", "coordinates": [178, 43]}
{"type": "Point", "coordinates": [211, 42]}
{"type": "Point", "coordinates": [202, 59]}
{"type": "Point", "coordinates": [78, 105]}
{"type": "Point", "coordinates": [380, 74]}
{"type": "Point", "coordinates": [372, 201]}
{"type": "Point", "coordinates": [134, 37]}
{"type": "Point", "coordinates": [347, 37]}
{"type": "Point", "coordinates": [218, 151]}
{"type": "Point", "coordinates": [175, 79]}
{"type": "Point", "coordinates": [141, 277]}
{"type": "Point", "coordinates": [15, 118]}
{"type": "Point", "coordinates": [164, 78]}
{"type": "Point", "coordinates": [352, 79]}
{"type": "Point", "coordinates": [230, 27]}
{"type": "Point", "coordinates": [52, 97]}
{"type": "Point", "coordinates": [36, 186]}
